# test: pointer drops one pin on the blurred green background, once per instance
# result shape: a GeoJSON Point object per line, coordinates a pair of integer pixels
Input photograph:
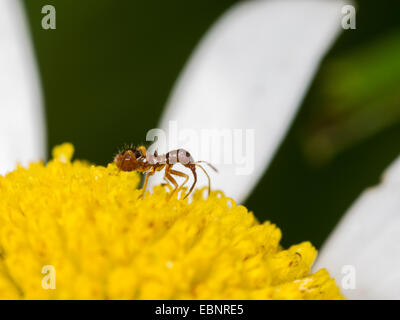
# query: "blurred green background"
{"type": "Point", "coordinates": [108, 68]}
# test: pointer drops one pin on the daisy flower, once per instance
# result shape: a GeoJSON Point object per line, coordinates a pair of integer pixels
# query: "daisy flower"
{"type": "Point", "coordinates": [250, 72]}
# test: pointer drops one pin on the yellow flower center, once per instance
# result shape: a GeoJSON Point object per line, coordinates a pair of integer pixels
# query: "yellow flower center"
{"type": "Point", "coordinates": [86, 228]}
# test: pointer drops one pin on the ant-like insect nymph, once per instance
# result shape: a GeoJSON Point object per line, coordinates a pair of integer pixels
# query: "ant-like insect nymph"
{"type": "Point", "coordinates": [138, 159]}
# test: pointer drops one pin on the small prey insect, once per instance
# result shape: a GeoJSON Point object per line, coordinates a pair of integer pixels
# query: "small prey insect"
{"type": "Point", "coordinates": [138, 159]}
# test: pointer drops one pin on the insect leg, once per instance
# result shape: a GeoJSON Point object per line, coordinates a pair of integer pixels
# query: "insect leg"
{"type": "Point", "coordinates": [180, 174]}
{"type": "Point", "coordinates": [146, 179]}
{"type": "Point", "coordinates": [171, 179]}
{"type": "Point", "coordinates": [208, 177]}
{"type": "Point", "coordinates": [167, 184]}
{"type": "Point", "coordinates": [193, 168]}
{"type": "Point", "coordinates": [207, 163]}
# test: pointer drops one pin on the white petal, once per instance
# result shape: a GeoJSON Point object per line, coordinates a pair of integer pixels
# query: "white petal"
{"type": "Point", "coordinates": [251, 71]}
{"type": "Point", "coordinates": [368, 238]}
{"type": "Point", "coordinates": [22, 134]}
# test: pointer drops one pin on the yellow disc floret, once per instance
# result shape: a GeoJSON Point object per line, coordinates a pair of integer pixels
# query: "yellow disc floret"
{"type": "Point", "coordinates": [71, 230]}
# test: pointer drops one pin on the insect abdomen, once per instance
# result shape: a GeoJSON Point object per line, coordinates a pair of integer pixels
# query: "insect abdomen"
{"type": "Point", "coordinates": [178, 156]}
